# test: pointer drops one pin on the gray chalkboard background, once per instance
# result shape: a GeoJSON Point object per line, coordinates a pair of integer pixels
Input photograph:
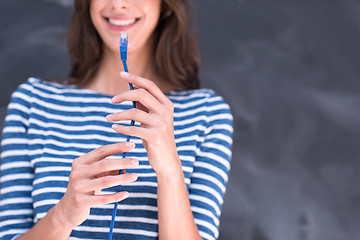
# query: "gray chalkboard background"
{"type": "Point", "coordinates": [289, 69]}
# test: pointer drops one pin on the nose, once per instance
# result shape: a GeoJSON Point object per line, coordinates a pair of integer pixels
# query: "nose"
{"type": "Point", "coordinates": [119, 4]}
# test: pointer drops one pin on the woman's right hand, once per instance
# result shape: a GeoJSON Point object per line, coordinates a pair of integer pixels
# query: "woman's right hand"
{"type": "Point", "coordinates": [91, 173]}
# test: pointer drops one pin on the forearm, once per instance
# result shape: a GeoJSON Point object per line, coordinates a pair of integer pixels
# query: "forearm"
{"type": "Point", "coordinates": [50, 227]}
{"type": "Point", "coordinates": [176, 220]}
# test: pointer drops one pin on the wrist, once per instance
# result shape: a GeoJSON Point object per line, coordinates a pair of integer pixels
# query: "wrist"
{"type": "Point", "coordinates": [173, 170]}
{"type": "Point", "coordinates": [58, 219]}
{"type": "Point", "coordinates": [174, 173]}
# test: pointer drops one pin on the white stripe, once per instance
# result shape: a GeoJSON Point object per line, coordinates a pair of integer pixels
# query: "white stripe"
{"type": "Point", "coordinates": [222, 116]}
{"type": "Point", "coordinates": [18, 118]}
{"type": "Point", "coordinates": [18, 94]}
{"type": "Point", "coordinates": [68, 169]}
{"type": "Point", "coordinates": [207, 236]}
{"type": "Point", "coordinates": [210, 179]}
{"type": "Point", "coordinates": [196, 94]}
{"type": "Point", "coordinates": [17, 188]}
{"type": "Point", "coordinates": [10, 129]}
{"type": "Point", "coordinates": [199, 102]}
{"type": "Point", "coordinates": [68, 118]}
{"type": "Point", "coordinates": [63, 190]}
{"type": "Point", "coordinates": [75, 238]}
{"type": "Point", "coordinates": [12, 231]}
{"type": "Point", "coordinates": [213, 169]}
{"type": "Point", "coordinates": [220, 136]}
{"type": "Point", "coordinates": [143, 195]}
{"type": "Point", "coordinates": [101, 137]}
{"type": "Point", "coordinates": [84, 127]}
{"type": "Point", "coordinates": [17, 106]}
{"type": "Point", "coordinates": [116, 230]}
{"type": "Point", "coordinates": [206, 213]}
{"type": "Point", "coordinates": [188, 113]}
{"type": "Point", "coordinates": [69, 161]}
{"type": "Point", "coordinates": [206, 201]}
{"type": "Point", "coordinates": [16, 212]}
{"type": "Point", "coordinates": [16, 177]}
{"type": "Point", "coordinates": [208, 190]}
{"type": "Point", "coordinates": [123, 219]}
{"type": "Point", "coordinates": [49, 190]}
{"type": "Point", "coordinates": [9, 141]}
{"type": "Point", "coordinates": [215, 157]}
{"type": "Point", "coordinates": [83, 146]}
{"type": "Point", "coordinates": [15, 221]}
{"type": "Point", "coordinates": [15, 200]}
{"type": "Point", "coordinates": [216, 146]}
{"type": "Point", "coordinates": [70, 109]}
{"type": "Point", "coordinates": [19, 164]}
{"type": "Point", "coordinates": [44, 203]}
{"type": "Point", "coordinates": [226, 127]}
{"type": "Point", "coordinates": [13, 153]}
{"type": "Point", "coordinates": [92, 127]}
{"type": "Point", "coordinates": [68, 89]}
{"type": "Point", "coordinates": [207, 225]}
{"type": "Point", "coordinates": [103, 119]}
{"type": "Point", "coordinates": [203, 93]}
{"type": "Point", "coordinates": [52, 169]}
{"type": "Point", "coordinates": [50, 179]}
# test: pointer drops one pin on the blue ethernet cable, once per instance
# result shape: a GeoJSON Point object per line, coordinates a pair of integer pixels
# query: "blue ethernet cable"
{"type": "Point", "coordinates": [123, 55]}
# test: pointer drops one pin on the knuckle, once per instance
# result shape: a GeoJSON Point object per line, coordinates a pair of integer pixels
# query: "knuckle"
{"type": "Point", "coordinates": [163, 127]}
{"type": "Point", "coordinates": [77, 187]}
{"type": "Point", "coordinates": [141, 92]}
{"type": "Point", "coordinates": [105, 164]}
{"type": "Point", "coordinates": [133, 111]}
{"type": "Point", "coordinates": [149, 84]}
{"type": "Point", "coordinates": [101, 151]}
{"type": "Point", "coordinates": [78, 201]}
{"type": "Point", "coordinates": [171, 106]}
{"type": "Point", "coordinates": [72, 177]}
{"type": "Point", "coordinates": [105, 181]}
{"type": "Point", "coordinates": [75, 163]}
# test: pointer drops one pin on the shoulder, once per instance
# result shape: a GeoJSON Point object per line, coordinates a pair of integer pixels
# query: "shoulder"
{"type": "Point", "coordinates": [34, 86]}
{"type": "Point", "coordinates": [40, 85]}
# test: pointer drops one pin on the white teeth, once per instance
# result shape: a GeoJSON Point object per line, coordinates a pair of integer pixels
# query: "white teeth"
{"type": "Point", "coordinates": [121, 23]}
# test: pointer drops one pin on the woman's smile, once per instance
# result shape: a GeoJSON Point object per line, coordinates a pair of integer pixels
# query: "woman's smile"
{"type": "Point", "coordinates": [120, 24]}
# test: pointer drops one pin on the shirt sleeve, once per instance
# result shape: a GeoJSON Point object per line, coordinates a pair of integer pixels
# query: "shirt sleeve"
{"type": "Point", "coordinates": [16, 209]}
{"type": "Point", "coordinates": [211, 168]}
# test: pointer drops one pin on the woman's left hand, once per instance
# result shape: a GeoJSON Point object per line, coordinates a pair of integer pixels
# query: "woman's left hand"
{"type": "Point", "coordinates": [154, 111]}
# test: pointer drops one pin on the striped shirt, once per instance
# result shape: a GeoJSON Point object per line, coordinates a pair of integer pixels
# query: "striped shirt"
{"type": "Point", "coordinates": [50, 124]}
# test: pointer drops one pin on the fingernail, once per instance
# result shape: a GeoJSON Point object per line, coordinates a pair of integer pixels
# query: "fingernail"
{"type": "Point", "coordinates": [124, 74]}
{"type": "Point", "coordinates": [114, 99]}
{"type": "Point", "coordinates": [134, 176]}
{"type": "Point", "coordinates": [130, 144]}
{"type": "Point", "coordinates": [124, 195]}
{"type": "Point", "coordinates": [135, 162]}
{"type": "Point", "coordinates": [108, 116]}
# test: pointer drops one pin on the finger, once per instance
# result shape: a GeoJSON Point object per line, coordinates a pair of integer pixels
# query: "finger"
{"type": "Point", "coordinates": [109, 173]}
{"type": "Point", "coordinates": [110, 165]}
{"type": "Point", "coordinates": [111, 181]}
{"type": "Point", "coordinates": [148, 85]}
{"type": "Point", "coordinates": [139, 95]}
{"type": "Point", "coordinates": [134, 131]}
{"type": "Point", "coordinates": [105, 151]}
{"type": "Point", "coordinates": [108, 198]}
{"type": "Point", "coordinates": [133, 114]}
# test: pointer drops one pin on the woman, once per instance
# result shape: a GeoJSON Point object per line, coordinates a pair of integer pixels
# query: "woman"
{"type": "Point", "coordinates": [62, 143]}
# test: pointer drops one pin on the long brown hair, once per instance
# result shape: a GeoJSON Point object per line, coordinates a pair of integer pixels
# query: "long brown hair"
{"type": "Point", "coordinates": [177, 57]}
